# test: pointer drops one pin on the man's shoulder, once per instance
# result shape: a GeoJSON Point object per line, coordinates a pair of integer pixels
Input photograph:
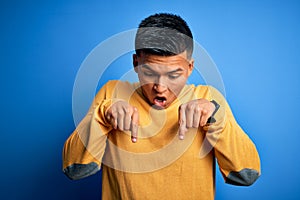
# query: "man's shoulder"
{"type": "Point", "coordinates": [119, 84]}
{"type": "Point", "coordinates": [197, 88]}
{"type": "Point", "coordinates": [118, 89]}
{"type": "Point", "coordinates": [203, 91]}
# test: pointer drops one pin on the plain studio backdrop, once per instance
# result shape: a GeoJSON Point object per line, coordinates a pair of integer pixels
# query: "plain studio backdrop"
{"type": "Point", "coordinates": [254, 44]}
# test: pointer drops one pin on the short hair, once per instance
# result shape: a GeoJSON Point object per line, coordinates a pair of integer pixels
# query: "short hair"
{"type": "Point", "coordinates": [163, 34]}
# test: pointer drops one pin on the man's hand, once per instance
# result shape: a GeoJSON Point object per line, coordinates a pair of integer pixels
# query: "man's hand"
{"type": "Point", "coordinates": [194, 114]}
{"type": "Point", "coordinates": [124, 117]}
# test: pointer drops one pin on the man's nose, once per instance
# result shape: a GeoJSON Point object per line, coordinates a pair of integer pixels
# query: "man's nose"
{"type": "Point", "coordinates": [160, 86]}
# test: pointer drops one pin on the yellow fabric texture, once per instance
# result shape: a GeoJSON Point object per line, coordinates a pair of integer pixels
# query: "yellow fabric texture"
{"type": "Point", "coordinates": [159, 165]}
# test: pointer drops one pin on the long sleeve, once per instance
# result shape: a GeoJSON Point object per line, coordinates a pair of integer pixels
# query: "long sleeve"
{"type": "Point", "coordinates": [236, 154]}
{"type": "Point", "coordinates": [84, 149]}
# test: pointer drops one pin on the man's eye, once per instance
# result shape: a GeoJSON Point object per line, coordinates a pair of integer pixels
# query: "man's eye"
{"type": "Point", "coordinates": [174, 76]}
{"type": "Point", "coordinates": [148, 74]}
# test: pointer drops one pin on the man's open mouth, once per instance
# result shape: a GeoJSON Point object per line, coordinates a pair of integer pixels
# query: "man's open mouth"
{"type": "Point", "coordinates": [160, 102]}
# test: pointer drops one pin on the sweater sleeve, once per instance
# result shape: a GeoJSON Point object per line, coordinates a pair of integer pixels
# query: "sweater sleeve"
{"type": "Point", "coordinates": [84, 149]}
{"type": "Point", "coordinates": [236, 154]}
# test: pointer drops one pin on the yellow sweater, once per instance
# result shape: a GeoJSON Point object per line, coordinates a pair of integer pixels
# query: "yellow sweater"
{"type": "Point", "coordinates": [159, 165]}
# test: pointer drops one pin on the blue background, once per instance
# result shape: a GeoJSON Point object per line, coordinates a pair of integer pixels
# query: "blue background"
{"type": "Point", "coordinates": [255, 45]}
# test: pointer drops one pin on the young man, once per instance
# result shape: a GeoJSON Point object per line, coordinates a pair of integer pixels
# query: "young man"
{"type": "Point", "coordinates": [159, 138]}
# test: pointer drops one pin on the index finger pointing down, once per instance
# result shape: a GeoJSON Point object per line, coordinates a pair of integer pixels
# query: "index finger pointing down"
{"type": "Point", "coordinates": [182, 123]}
{"type": "Point", "coordinates": [134, 125]}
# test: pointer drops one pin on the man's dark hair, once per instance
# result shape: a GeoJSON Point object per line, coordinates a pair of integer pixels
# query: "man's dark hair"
{"type": "Point", "coordinates": [164, 34]}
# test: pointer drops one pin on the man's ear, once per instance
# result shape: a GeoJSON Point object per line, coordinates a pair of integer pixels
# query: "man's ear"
{"type": "Point", "coordinates": [135, 62]}
{"type": "Point", "coordinates": [191, 66]}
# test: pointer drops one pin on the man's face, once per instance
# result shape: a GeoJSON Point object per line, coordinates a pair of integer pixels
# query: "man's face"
{"type": "Point", "coordinates": [162, 77]}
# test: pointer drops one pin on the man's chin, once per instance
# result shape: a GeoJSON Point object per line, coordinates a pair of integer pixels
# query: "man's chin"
{"type": "Point", "coordinates": [157, 107]}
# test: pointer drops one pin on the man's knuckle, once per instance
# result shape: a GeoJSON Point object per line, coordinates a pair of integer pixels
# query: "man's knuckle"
{"type": "Point", "coordinates": [114, 113]}
{"type": "Point", "coordinates": [120, 112]}
{"type": "Point", "coordinates": [182, 107]}
{"type": "Point", "coordinates": [182, 129]}
{"type": "Point", "coordinates": [134, 125]}
{"type": "Point", "coordinates": [182, 121]}
{"type": "Point", "coordinates": [127, 110]}
{"type": "Point", "coordinates": [190, 107]}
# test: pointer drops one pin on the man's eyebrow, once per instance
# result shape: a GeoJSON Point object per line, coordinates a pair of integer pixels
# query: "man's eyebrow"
{"type": "Point", "coordinates": [176, 70]}
{"type": "Point", "coordinates": [170, 72]}
{"type": "Point", "coordinates": [147, 67]}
